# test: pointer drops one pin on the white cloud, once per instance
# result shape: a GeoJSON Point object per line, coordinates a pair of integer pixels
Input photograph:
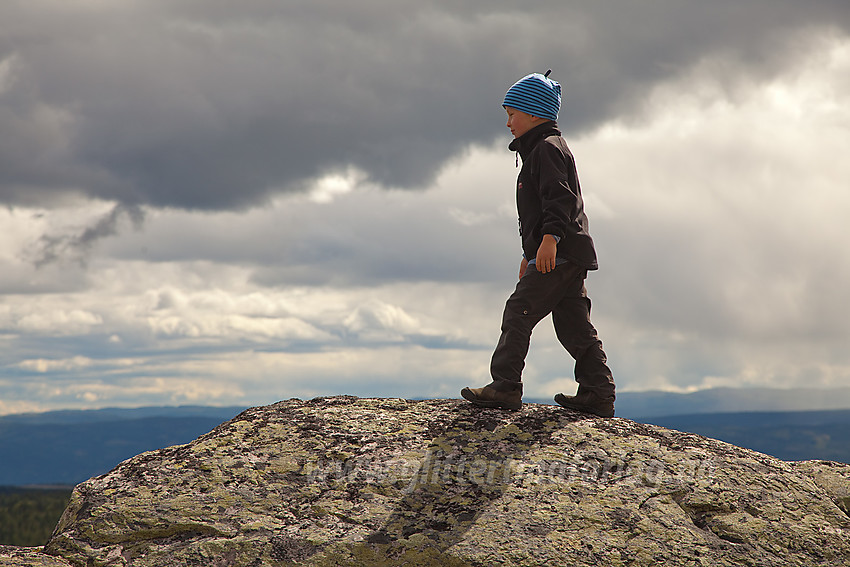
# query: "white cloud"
{"type": "Point", "coordinates": [327, 188]}
{"type": "Point", "coordinates": [42, 365]}
{"type": "Point", "coordinates": [51, 321]}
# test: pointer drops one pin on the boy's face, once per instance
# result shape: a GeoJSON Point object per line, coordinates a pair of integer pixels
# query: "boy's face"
{"type": "Point", "coordinates": [520, 122]}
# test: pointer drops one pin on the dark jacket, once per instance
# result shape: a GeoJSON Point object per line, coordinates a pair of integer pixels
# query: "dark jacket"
{"type": "Point", "coordinates": [548, 197]}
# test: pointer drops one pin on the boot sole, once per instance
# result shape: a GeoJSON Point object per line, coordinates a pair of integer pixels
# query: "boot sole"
{"type": "Point", "coordinates": [564, 402]}
{"type": "Point", "coordinates": [472, 398]}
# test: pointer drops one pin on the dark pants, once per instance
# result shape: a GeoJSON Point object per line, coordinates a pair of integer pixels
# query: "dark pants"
{"type": "Point", "coordinates": [561, 292]}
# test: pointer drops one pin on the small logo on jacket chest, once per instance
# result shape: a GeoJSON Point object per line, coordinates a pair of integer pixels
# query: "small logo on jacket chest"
{"type": "Point", "coordinates": [519, 186]}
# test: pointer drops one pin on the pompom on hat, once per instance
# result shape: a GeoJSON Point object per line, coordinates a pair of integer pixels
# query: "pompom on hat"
{"type": "Point", "coordinates": [535, 94]}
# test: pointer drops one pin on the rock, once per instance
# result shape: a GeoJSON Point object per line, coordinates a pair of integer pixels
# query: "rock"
{"type": "Point", "coordinates": [833, 478]}
{"type": "Point", "coordinates": [29, 557]}
{"type": "Point", "coordinates": [349, 481]}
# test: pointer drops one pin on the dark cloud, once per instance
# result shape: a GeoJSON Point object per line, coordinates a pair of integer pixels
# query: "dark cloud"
{"type": "Point", "coordinates": [219, 105]}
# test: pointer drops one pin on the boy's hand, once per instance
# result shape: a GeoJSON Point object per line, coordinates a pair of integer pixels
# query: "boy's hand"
{"type": "Point", "coordinates": [522, 267]}
{"type": "Point", "coordinates": [546, 254]}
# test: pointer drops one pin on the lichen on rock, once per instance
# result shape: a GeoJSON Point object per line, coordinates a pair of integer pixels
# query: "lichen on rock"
{"type": "Point", "coordinates": [352, 481]}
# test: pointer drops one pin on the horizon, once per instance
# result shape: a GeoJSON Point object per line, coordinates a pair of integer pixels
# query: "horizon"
{"type": "Point", "coordinates": [806, 404]}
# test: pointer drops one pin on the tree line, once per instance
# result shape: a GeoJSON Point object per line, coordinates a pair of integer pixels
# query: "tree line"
{"type": "Point", "coordinates": [28, 516]}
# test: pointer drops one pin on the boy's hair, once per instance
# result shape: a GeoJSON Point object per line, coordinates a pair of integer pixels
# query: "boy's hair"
{"type": "Point", "coordinates": [535, 94]}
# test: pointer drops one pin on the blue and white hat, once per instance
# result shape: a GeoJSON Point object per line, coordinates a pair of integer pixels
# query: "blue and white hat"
{"type": "Point", "coordinates": [535, 94]}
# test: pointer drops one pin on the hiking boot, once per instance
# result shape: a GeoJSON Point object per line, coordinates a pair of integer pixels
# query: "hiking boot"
{"type": "Point", "coordinates": [588, 402]}
{"type": "Point", "coordinates": [494, 397]}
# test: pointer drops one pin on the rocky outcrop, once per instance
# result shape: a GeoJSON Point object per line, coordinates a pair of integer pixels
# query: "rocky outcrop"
{"type": "Point", "coordinates": [349, 481]}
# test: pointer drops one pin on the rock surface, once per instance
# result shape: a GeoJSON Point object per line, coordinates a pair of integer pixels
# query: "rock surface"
{"type": "Point", "coordinates": [29, 557]}
{"type": "Point", "coordinates": [350, 481]}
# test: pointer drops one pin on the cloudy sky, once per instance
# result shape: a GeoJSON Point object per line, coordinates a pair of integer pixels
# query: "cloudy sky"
{"type": "Point", "coordinates": [232, 203]}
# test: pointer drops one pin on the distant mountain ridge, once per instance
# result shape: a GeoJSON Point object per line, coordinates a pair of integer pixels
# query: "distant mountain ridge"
{"type": "Point", "coordinates": [70, 416]}
{"type": "Point", "coordinates": [635, 405]}
{"type": "Point", "coordinates": [629, 404]}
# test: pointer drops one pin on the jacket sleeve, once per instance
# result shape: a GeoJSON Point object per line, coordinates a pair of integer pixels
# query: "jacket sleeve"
{"type": "Point", "coordinates": [559, 200]}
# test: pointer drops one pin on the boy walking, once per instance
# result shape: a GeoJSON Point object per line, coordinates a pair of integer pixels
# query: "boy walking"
{"type": "Point", "coordinates": [557, 254]}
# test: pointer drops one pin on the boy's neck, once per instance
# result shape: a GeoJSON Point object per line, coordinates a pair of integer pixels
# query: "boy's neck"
{"type": "Point", "coordinates": [521, 143]}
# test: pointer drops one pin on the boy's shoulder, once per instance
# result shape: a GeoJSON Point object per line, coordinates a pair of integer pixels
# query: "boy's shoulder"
{"type": "Point", "coordinates": [553, 144]}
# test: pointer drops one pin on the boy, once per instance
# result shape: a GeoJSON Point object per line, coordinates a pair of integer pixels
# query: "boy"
{"type": "Point", "coordinates": [557, 253]}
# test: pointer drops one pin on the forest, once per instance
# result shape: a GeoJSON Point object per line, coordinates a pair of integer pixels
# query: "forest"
{"type": "Point", "coordinates": [28, 515]}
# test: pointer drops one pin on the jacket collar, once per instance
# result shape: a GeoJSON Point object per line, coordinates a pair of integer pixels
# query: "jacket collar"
{"type": "Point", "coordinates": [525, 143]}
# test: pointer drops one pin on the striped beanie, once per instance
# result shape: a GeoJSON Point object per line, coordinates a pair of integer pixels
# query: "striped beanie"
{"type": "Point", "coordinates": [535, 94]}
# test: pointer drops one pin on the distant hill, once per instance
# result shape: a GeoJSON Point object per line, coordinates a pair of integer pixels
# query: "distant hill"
{"type": "Point", "coordinates": [68, 447]}
{"type": "Point", "coordinates": [791, 436]}
{"type": "Point", "coordinates": [640, 405]}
